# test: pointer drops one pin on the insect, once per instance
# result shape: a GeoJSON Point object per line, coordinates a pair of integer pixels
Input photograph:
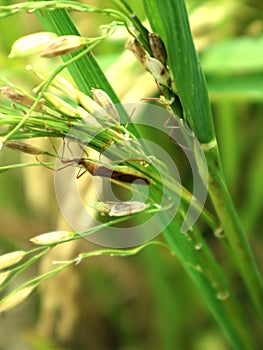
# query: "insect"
{"type": "Point", "coordinates": [119, 173]}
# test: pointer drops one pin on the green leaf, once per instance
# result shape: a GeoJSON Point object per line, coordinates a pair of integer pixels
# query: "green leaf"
{"type": "Point", "coordinates": [169, 19]}
{"type": "Point", "coordinates": [236, 87]}
{"type": "Point", "coordinates": [239, 55]}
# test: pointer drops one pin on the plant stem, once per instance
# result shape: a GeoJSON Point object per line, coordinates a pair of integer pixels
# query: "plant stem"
{"type": "Point", "coordinates": [226, 312]}
{"type": "Point", "coordinates": [169, 19]}
{"type": "Point", "coordinates": [197, 259]}
{"type": "Point", "coordinates": [235, 233]}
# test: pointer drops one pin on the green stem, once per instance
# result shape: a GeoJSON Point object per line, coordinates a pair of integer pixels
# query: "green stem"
{"type": "Point", "coordinates": [199, 263]}
{"type": "Point", "coordinates": [234, 231]}
{"type": "Point", "coordinates": [169, 19]}
{"type": "Point", "coordinates": [196, 258]}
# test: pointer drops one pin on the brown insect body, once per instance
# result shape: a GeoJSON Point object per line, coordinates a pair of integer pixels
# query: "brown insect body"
{"type": "Point", "coordinates": [101, 170]}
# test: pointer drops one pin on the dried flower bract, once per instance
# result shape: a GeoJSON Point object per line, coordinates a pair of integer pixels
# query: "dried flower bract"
{"type": "Point", "coordinates": [136, 48]}
{"type": "Point", "coordinates": [23, 147]}
{"type": "Point", "coordinates": [17, 97]}
{"type": "Point", "coordinates": [158, 48]}
{"type": "Point", "coordinates": [105, 102]}
{"type": "Point", "coordinates": [63, 44]}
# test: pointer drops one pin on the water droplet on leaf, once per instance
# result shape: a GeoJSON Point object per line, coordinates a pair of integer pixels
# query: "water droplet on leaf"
{"type": "Point", "coordinates": [222, 295]}
{"type": "Point", "coordinates": [198, 246]}
{"type": "Point", "coordinates": [219, 232]}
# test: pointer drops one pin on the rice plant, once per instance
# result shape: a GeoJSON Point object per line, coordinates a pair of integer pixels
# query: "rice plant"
{"type": "Point", "coordinates": [130, 151]}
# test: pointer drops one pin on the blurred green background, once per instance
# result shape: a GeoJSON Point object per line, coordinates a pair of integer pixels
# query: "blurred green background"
{"type": "Point", "coordinates": [146, 301]}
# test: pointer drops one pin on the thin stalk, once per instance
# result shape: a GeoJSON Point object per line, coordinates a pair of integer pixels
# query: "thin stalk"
{"type": "Point", "coordinates": [234, 231]}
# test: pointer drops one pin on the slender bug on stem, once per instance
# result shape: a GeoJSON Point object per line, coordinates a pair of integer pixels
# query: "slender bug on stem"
{"type": "Point", "coordinates": [119, 173]}
{"type": "Point", "coordinates": [122, 173]}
